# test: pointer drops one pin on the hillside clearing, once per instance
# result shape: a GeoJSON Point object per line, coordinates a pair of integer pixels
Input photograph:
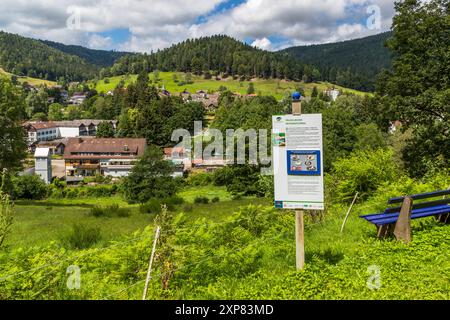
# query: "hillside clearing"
{"type": "Point", "coordinates": [277, 88]}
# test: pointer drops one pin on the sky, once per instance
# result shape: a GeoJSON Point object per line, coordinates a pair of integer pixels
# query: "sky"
{"type": "Point", "coordinates": [149, 25]}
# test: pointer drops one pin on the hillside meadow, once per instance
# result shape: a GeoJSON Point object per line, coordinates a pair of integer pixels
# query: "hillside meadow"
{"type": "Point", "coordinates": [31, 81]}
{"type": "Point", "coordinates": [273, 87]}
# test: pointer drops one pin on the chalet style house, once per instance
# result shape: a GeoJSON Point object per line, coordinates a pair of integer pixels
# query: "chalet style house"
{"type": "Point", "coordinates": [52, 130]}
{"type": "Point", "coordinates": [114, 157]}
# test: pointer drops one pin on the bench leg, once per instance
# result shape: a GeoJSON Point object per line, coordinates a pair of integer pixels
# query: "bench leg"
{"type": "Point", "coordinates": [444, 218]}
{"type": "Point", "coordinates": [385, 230]}
{"type": "Point", "coordinates": [402, 229]}
{"type": "Point", "coordinates": [381, 231]}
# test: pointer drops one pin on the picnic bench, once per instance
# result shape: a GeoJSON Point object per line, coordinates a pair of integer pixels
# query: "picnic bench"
{"type": "Point", "coordinates": [397, 220]}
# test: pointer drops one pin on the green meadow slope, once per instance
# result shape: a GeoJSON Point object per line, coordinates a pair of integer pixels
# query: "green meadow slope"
{"type": "Point", "coordinates": [277, 88]}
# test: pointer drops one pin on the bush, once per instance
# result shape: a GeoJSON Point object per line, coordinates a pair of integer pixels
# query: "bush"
{"type": "Point", "coordinates": [199, 179]}
{"type": "Point", "coordinates": [82, 236]}
{"type": "Point", "coordinates": [201, 199]}
{"type": "Point", "coordinates": [153, 206]}
{"type": "Point", "coordinates": [215, 199]}
{"type": "Point", "coordinates": [112, 210]}
{"type": "Point", "coordinates": [98, 178]}
{"type": "Point", "coordinates": [242, 179]}
{"type": "Point", "coordinates": [363, 172]}
{"type": "Point", "coordinates": [30, 187]}
{"type": "Point", "coordinates": [188, 207]}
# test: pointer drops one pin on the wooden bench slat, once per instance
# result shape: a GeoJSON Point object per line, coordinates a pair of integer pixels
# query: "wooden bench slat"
{"type": "Point", "coordinates": [413, 216]}
{"type": "Point", "coordinates": [381, 219]}
{"type": "Point", "coordinates": [374, 216]}
{"type": "Point", "coordinates": [421, 205]}
{"type": "Point", "coordinates": [420, 196]}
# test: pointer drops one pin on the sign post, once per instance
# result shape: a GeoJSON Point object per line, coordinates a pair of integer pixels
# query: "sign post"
{"type": "Point", "coordinates": [298, 167]}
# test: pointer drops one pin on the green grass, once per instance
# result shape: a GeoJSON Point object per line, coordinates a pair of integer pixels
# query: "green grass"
{"type": "Point", "coordinates": [39, 224]}
{"type": "Point", "coordinates": [190, 193]}
{"type": "Point", "coordinates": [43, 221]}
{"type": "Point", "coordinates": [32, 81]}
{"type": "Point", "coordinates": [277, 88]}
{"type": "Point", "coordinates": [250, 257]}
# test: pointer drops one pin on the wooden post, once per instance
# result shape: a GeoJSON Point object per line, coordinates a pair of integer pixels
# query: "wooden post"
{"type": "Point", "coordinates": [299, 240]}
{"type": "Point", "coordinates": [402, 229]}
{"type": "Point", "coordinates": [152, 256]}
{"type": "Point", "coordinates": [299, 221]}
{"type": "Point", "coordinates": [348, 212]}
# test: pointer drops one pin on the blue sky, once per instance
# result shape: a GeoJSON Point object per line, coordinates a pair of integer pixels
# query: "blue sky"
{"type": "Point", "coordinates": [145, 25]}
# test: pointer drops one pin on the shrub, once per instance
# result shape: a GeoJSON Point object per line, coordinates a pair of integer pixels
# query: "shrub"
{"type": "Point", "coordinates": [6, 216]}
{"type": "Point", "coordinates": [112, 210]}
{"type": "Point", "coordinates": [153, 206]}
{"type": "Point", "coordinates": [201, 199]}
{"type": "Point", "coordinates": [173, 201]}
{"type": "Point", "coordinates": [188, 207]}
{"type": "Point", "coordinates": [71, 193]}
{"type": "Point", "coordinates": [29, 187]}
{"type": "Point", "coordinates": [199, 179]}
{"type": "Point", "coordinates": [82, 236]}
{"type": "Point", "coordinates": [363, 172]}
{"type": "Point", "coordinates": [215, 199]}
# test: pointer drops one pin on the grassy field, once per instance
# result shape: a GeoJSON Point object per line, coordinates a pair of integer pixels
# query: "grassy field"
{"type": "Point", "coordinates": [31, 81]}
{"type": "Point", "coordinates": [277, 88]}
{"type": "Point", "coordinates": [41, 222]}
{"type": "Point", "coordinates": [249, 255]}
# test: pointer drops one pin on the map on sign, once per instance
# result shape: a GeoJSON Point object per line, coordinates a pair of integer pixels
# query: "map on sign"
{"type": "Point", "coordinates": [297, 161]}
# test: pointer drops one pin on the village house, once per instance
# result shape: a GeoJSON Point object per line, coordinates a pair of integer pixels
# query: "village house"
{"type": "Point", "coordinates": [77, 98]}
{"type": "Point", "coordinates": [180, 157]}
{"type": "Point", "coordinates": [209, 101]}
{"type": "Point", "coordinates": [114, 157]}
{"type": "Point", "coordinates": [51, 130]}
{"type": "Point", "coordinates": [56, 147]}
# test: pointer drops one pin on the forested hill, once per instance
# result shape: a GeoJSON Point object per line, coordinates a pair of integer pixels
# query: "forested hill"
{"type": "Point", "coordinates": [101, 58]}
{"type": "Point", "coordinates": [219, 54]}
{"type": "Point", "coordinates": [29, 57]}
{"type": "Point", "coordinates": [353, 63]}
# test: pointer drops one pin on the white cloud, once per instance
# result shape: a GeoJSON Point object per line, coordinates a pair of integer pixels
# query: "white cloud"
{"type": "Point", "coordinates": [299, 21]}
{"type": "Point", "coordinates": [155, 24]}
{"type": "Point", "coordinates": [98, 42]}
{"type": "Point", "coordinates": [263, 43]}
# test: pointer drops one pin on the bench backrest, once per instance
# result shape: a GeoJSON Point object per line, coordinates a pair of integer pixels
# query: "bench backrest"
{"type": "Point", "coordinates": [420, 196]}
{"type": "Point", "coordinates": [421, 205]}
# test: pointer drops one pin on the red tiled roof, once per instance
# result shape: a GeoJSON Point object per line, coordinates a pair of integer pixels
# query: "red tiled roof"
{"type": "Point", "coordinates": [123, 147]}
{"type": "Point", "coordinates": [170, 151]}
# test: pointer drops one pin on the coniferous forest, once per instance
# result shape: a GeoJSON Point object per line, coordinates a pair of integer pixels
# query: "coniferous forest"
{"type": "Point", "coordinates": [353, 63]}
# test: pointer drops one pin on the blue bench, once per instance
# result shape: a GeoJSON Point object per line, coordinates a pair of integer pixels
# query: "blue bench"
{"type": "Point", "coordinates": [397, 220]}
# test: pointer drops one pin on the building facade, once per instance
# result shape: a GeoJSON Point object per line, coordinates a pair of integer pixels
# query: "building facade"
{"type": "Point", "coordinates": [51, 130]}
{"type": "Point", "coordinates": [113, 157]}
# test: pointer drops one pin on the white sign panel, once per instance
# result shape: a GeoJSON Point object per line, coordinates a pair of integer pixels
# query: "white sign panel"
{"type": "Point", "coordinates": [298, 161]}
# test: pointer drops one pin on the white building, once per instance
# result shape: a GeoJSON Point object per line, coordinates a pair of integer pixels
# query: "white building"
{"type": "Point", "coordinates": [43, 164]}
{"type": "Point", "coordinates": [51, 130]}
